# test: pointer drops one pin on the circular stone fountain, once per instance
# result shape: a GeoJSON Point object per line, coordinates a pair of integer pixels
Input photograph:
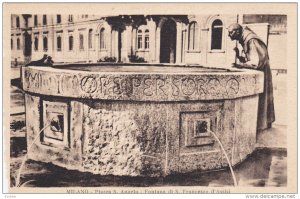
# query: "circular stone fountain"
{"type": "Point", "coordinates": [148, 120]}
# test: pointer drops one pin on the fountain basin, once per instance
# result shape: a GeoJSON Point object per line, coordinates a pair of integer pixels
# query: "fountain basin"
{"type": "Point", "coordinates": [140, 120]}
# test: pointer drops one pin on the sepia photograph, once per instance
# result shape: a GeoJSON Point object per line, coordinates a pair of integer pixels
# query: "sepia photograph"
{"type": "Point", "coordinates": [141, 98]}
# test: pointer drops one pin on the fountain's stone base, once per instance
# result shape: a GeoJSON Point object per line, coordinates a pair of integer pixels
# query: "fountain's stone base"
{"type": "Point", "coordinates": [152, 139]}
{"type": "Point", "coordinates": [139, 137]}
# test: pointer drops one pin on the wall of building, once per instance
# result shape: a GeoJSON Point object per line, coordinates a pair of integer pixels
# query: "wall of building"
{"type": "Point", "coordinates": [193, 43]}
{"type": "Point", "coordinates": [277, 37]}
{"type": "Point", "coordinates": [17, 34]}
{"type": "Point", "coordinates": [277, 51]}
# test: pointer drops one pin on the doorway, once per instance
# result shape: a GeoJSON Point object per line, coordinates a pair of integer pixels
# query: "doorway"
{"type": "Point", "coordinates": [120, 46]}
{"type": "Point", "coordinates": [168, 42]}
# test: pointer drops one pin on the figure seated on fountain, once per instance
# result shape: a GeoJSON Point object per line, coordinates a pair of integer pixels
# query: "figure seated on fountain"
{"type": "Point", "coordinates": [38, 62]}
{"type": "Point", "coordinates": [49, 61]}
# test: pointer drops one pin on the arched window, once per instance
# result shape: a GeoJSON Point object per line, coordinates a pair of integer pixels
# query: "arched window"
{"type": "Point", "coordinates": [18, 44]}
{"type": "Point", "coordinates": [81, 42]}
{"type": "Point", "coordinates": [102, 39]}
{"type": "Point", "coordinates": [147, 41]}
{"type": "Point", "coordinates": [44, 20]}
{"type": "Point", "coordinates": [18, 22]}
{"type": "Point", "coordinates": [71, 42]}
{"type": "Point", "coordinates": [36, 43]}
{"type": "Point", "coordinates": [58, 18]}
{"type": "Point", "coordinates": [35, 20]}
{"type": "Point", "coordinates": [45, 43]}
{"type": "Point", "coordinates": [90, 38]}
{"type": "Point", "coordinates": [70, 18]}
{"type": "Point", "coordinates": [216, 35]}
{"type": "Point", "coordinates": [193, 36]}
{"type": "Point", "coordinates": [140, 39]}
{"type": "Point", "coordinates": [12, 44]}
{"type": "Point", "coordinates": [58, 43]}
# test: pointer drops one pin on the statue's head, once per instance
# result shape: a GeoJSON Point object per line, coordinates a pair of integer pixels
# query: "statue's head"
{"type": "Point", "coordinates": [235, 31]}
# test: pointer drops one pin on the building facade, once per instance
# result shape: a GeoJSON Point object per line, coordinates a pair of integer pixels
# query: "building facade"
{"type": "Point", "coordinates": [277, 38]}
{"type": "Point", "coordinates": [175, 39]}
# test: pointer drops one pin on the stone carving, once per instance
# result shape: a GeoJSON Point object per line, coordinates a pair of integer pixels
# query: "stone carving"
{"type": "Point", "coordinates": [51, 83]}
{"type": "Point", "coordinates": [213, 86]}
{"type": "Point", "coordinates": [232, 86]}
{"type": "Point", "coordinates": [88, 84]}
{"type": "Point", "coordinates": [132, 86]}
{"type": "Point", "coordinates": [188, 86]}
{"type": "Point", "coordinates": [68, 82]}
{"type": "Point", "coordinates": [32, 79]}
{"type": "Point", "coordinates": [201, 87]}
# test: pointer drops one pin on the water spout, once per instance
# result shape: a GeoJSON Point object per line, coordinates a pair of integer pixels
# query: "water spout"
{"type": "Point", "coordinates": [221, 145]}
{"type": "Point", "coordinates": [17, 184]}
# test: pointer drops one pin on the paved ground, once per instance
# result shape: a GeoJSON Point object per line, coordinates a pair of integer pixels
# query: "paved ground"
{"type": "Point", "coordinates": [263, 168]}
{"type": "Point", "coordinates": [17, 101]}
{"type": "Point", "coordinates": [15, 72]}
{"type": "Point", "coordinates": [280, 92]}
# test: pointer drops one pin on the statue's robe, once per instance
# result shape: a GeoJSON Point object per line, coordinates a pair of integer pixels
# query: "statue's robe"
{"type": "Point", "coordinates": [257, 58]}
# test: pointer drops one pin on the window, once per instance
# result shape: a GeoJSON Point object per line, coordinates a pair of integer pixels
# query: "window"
{"type": "Point", "coordinates": [45, 43]}
{"type": "Point", "coordinates": [216, 35]}
{"type": "Point", "coordinates": [44, 20]}
{"type": "Point", "coordinates": [90, 38]}
{"type": "Point", "coordinates": [81, 47]}
{"type": "Point", "coordinates": [12, 44]}
{"type": "Point", "coordinates": [35, 20]}
{"type": "Point", "coordinates": [71, 42]}
{"type": "Point", "coordinates": [18, 22]}
{"type": "Point", "coordinates": [18, 44]}
{"type": "Point", "coordinates": [193, 36]}
{"type": "Point", "coordinates": [26, 22]}
{"type": "Point", "coordinates": [70, 18]}
{"type": "Point", "coordinates": [58, 43]}
{"type": "Point", "coordinates": [140, 39]}
{"type": "Point", "coordinates": [147, 39]}
{"type": "Point", "coordinates": [102, 39]}
{"type": "Point", "coordinates": [58, 19]}
{"type": "Point", "coordinates": [36, 43]}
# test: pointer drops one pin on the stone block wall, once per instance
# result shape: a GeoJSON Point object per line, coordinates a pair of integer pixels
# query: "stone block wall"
{"type": "Point", "coordinates": [145, 138]}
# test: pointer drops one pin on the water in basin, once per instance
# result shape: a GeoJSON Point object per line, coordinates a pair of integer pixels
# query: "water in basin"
{"type": "Point", "coordinates": [142, 68]}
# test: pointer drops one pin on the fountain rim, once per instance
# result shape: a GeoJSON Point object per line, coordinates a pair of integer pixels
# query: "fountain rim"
{"type": "Point", "coordinates": [226, 71]}
{"type": "Point", "coordinates": [137, 86]}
